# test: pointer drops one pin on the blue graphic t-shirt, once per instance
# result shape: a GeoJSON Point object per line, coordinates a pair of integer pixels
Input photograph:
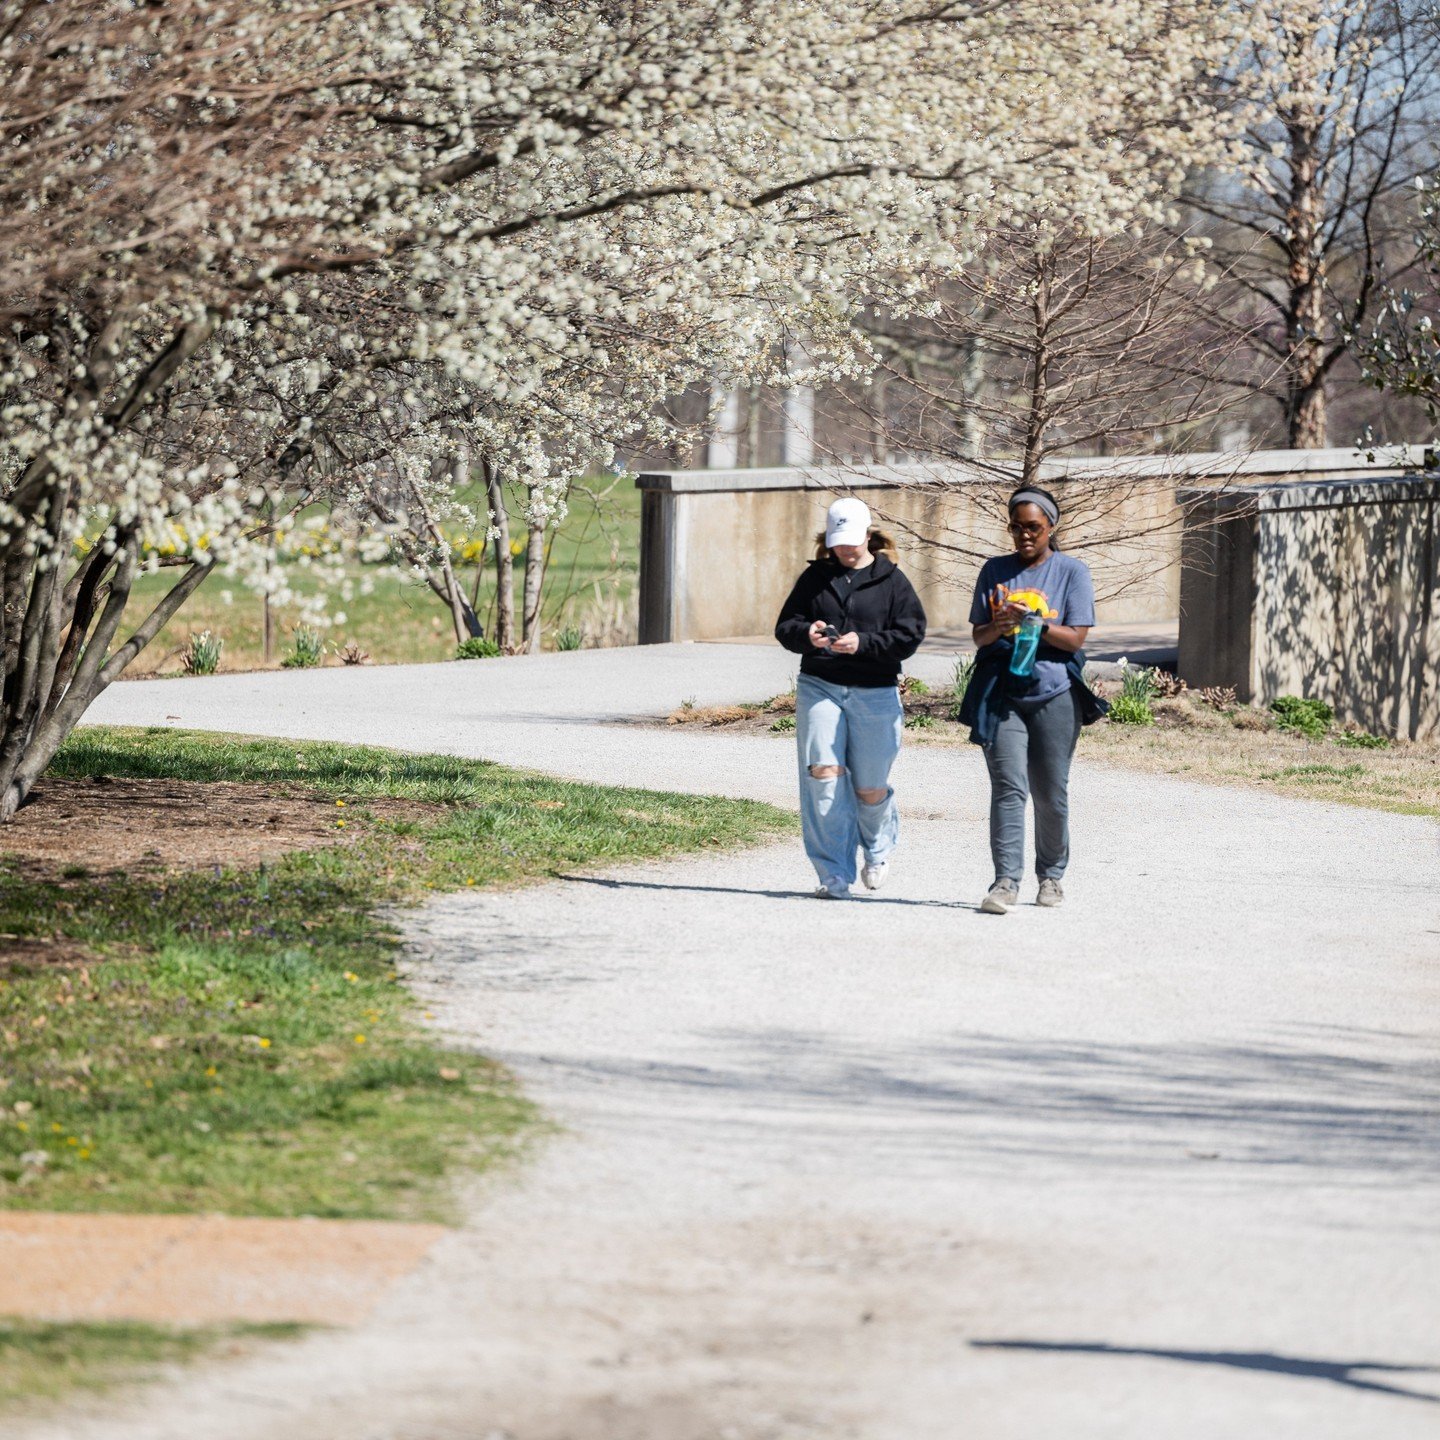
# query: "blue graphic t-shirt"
{"type": "Point", "coordinates": [1059, 588]}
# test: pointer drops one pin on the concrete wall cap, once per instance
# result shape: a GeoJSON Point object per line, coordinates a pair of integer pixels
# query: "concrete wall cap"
{"type": "Point", "coordinates": [1380, 460]}
{"type": "Point", "coordinates": [1316, 494]}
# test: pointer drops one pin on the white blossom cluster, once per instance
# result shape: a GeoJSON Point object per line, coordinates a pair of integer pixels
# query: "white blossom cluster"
{"type": "Point", "coordinates": [270, 256]}
{"type": "Point", "coordinates": [1401, 350]}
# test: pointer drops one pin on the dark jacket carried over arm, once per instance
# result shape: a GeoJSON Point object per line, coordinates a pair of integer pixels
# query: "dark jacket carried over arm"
{"type": "Point", "coordinates": [880, 605]}
{"type": "Point", "coordinates": [986, 696]}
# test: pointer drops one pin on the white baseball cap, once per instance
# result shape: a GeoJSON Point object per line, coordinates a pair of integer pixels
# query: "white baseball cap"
{"type": "Point", "coordinates": [847, 522]}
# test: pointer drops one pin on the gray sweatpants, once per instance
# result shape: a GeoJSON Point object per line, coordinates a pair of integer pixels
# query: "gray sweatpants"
{"type": "Point", "coordinates": [1031, 755]}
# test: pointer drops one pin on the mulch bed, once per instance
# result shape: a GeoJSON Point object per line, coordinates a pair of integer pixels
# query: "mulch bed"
{"type": "Point", "coordinates": [105, 826]}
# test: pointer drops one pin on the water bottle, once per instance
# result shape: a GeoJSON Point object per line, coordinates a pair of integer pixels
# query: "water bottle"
{"type": "Point", "coordinates": [1027, 642]}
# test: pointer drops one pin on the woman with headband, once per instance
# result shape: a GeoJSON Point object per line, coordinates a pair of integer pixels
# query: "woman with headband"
{"type": "Point", "coordinates": [1027, 697]}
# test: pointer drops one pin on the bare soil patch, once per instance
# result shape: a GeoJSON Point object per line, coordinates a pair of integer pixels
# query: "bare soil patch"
{"type": "Point", "coordinates": [202, 1269]}
{"type": "Point", "coordinates": [711, 716]}
{"type": "Point", "coordinates": [26, 954]}
{"type": "Point", "coordinates": [1246, 750]}
{"type": "Point", "coordinates": [104, 825]}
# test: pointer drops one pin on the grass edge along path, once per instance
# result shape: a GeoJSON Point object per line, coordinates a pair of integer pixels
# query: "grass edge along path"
{"type": "Point", "coordinates": [241, 1042]}
{"type": "Point", "coordinates": [42, 1362]}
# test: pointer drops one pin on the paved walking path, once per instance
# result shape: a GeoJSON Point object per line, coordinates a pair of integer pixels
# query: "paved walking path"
{"type": "Point", "coordinates": [1163, 1163]}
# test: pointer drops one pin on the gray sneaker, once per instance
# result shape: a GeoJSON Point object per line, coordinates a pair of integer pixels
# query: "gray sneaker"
{"type": "Point", "coordinates": [1050, 893]}
{"type": "Point", "coordinates": [1003, 894]}
{"type": "Point", "coordinates": [833, 891]}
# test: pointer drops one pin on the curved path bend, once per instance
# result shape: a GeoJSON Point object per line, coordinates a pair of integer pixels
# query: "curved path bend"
{"type": "Point", "coordinates": [1163, 1163]}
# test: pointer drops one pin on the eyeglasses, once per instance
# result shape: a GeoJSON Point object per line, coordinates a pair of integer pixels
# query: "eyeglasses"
{"type": "Point", "coordinates": [1029, 527]}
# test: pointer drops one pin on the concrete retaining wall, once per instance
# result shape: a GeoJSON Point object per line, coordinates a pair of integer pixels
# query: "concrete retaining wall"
{"type": "Point", "coordinates": [720, 549]}
{"type": "Point", "coordinates": [1324, 588]}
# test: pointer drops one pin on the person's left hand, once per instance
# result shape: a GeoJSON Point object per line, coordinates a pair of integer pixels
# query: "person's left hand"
{"type": "Point", "coordinates": [846, 644]}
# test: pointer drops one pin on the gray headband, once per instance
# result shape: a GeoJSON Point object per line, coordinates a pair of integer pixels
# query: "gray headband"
{"type": "Point", "coordinates": [1043, 503]}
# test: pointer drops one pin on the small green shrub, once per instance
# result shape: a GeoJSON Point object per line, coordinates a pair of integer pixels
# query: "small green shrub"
{"type": "Point", "coordinates": [1362, 740]}
{"type": "Point", "coordinates": [914, 685]}
{"type": "Point", "coordinates": [570, 638]}
{"type": "Point", "coordinates": [784, 723]}
{"type": "Point", "coordinates": [477, 647]}
{"type": "Point", "coordinates": [1137, 682]}
{"type": "Point", "coordinates": [308, 649]}
{"type": "Point", "coordinates": [202, 654]}
{"type": "Point", "coordinates": [960, 678]}
{"type": "Point", "coordinates": [1131, 710]}
{"type": "Point", "coordinates": [920, 722]}
{"type": "Point", "coordinates": [1303, 714]}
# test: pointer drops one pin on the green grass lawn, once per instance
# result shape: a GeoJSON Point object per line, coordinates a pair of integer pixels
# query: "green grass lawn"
{"type": "Point", "coordinates": [592, 574]}
{"type": "Point", "coordinates": [240, 1042]}
{"type": "Point", "coordinates": [42, 1361]}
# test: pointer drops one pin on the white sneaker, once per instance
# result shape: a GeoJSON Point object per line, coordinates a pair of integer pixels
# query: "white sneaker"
{"type": "Point", "coordinates": [874, 875]}
{"type": "Point", "coordinates": [833, 891]}
{"type": "Point", "coordinates": [1004, 894]}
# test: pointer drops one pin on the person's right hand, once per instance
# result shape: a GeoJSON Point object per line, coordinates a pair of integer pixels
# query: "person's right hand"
{"type": "Point", "coordinates": [818, 638]}
{"type": "Point", "coordinates": [1008, 616]}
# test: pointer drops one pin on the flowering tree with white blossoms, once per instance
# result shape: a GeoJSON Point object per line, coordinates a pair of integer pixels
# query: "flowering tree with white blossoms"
{"type": "Point", "coordinates": [1401, 350]}
{"type": "Point", "coordinates": [281, 254]}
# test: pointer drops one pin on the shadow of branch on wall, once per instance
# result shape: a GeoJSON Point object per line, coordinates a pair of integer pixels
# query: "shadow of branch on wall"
{"type": "Point", "coordinates": [1343, 611]}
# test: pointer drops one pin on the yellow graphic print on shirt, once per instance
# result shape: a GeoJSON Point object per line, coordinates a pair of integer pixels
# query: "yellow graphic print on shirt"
{"type": "Point", "coordinates": [1033, 600]}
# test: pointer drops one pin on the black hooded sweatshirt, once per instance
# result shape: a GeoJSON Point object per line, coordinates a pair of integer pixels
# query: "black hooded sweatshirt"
{"type": "Point", "coordinates": [879, 604]}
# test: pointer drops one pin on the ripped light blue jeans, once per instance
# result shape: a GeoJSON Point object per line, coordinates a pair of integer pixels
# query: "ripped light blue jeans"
{"type": "Point", "coordinates": [856, 728]}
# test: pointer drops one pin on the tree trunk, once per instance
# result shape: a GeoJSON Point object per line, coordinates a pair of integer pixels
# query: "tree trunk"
{"type": "Point", "coordinates": [1305, 298]}
{"type": "Point", "coordinates": [462, 618]}
{"type": "Point", "coordinates": [1306, 422]}
{"type": "Point", "coordinates": [479, 575]}
{"type": "Point", "coordinates": [56, 653]}
{"type": "Point", "coordinates": [972, 421]}
{"type": "Point", "coordinates": [48, 698]}
{"type": "Point", "coordinates": [462, 610]}
{"type": "Point", "coordinates": [504, 561]}
{"type": "Point", "coordinates": [879, 420]}
{"type": "Point", "coordinates": [534, 586]}
{"type": "Point", "coordinates": [445, 584]}
{"type": "Point", "coordinates": [1037, 418]}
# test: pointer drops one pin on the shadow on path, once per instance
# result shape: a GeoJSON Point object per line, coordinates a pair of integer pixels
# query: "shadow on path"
{"type": "Point", "coordinates": [1338, 1372]}
{"type": "Point", "coordinates": [607, 882]}
{"type": "Point", "coordinates": [984, 1102]}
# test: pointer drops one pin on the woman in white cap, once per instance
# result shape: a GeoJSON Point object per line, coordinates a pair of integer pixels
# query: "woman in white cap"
{"type": "Point", "coordinates": [853, 617]}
